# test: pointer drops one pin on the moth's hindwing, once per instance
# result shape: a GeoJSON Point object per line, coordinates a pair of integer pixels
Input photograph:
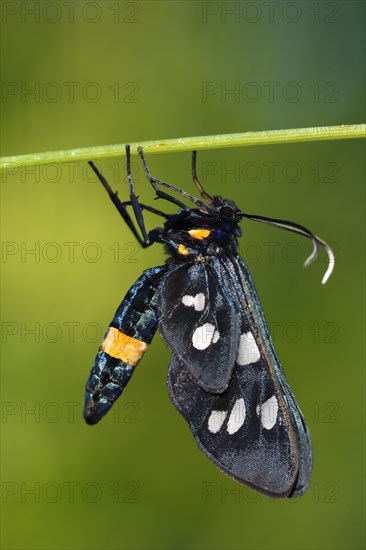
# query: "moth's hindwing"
{"type": "Point", "coordinates": [200, 323]}
{"type": "Point", "coordinates": [254, 431]}
{"type": "Point", "coordinates": [131, 330]}
{"type": "Point", "coordinates": [242, 431]}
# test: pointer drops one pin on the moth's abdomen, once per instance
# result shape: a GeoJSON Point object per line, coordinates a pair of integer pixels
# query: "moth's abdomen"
{"type": "Point", "coordinates": [131, 330]}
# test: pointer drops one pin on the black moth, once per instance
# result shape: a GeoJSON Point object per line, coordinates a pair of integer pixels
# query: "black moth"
{"type": "Point", "coordinates": [224, 375]}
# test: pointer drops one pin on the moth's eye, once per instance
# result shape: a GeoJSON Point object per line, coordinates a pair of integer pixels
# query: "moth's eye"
{"type": "Point", "coordinates": [226, 211]}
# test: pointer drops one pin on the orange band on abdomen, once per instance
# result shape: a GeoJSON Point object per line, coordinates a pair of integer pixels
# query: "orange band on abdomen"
{"type": "Point", "coordinates": [123, 347]}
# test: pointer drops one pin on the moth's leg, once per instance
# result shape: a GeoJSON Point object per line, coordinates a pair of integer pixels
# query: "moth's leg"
{"type": "Point", "coordinates": [134, 199]}
{"type": "Point", "coordinates": [151, 209]}
{"type": "Point", "coordinates": [147, 239]}
{"type": "Point", "coordinates": [156, 181]}
{"type": "Point", "coordinates": [156, 211]}
{"type": "Point", "coordinates": [121, 206]}
{"type": "Point", "coordinates": [197, 183]}
{"type": "Point", "coordinates": [172, 219]}
{"type": "Point", "coordinates": [131, 330]}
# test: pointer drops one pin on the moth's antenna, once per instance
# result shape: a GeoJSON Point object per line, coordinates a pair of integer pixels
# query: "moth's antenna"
{"type": "Point", "coordinates": [331, 257]}
{"type": "Point", "coordinates": [301, 230]}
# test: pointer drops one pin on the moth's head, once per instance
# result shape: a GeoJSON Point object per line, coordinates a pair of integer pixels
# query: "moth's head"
{"type": "Point", "coordinates": [227, 209]}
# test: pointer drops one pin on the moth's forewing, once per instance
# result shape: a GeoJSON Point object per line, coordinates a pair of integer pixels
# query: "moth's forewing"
{"type": "Point", "coordinates": [200, 323]}
{"type": "Point", "coordinates": [254, 431]}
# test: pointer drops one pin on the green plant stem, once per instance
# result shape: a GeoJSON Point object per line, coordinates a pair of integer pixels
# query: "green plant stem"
{"type": "Point", "coordinates": [347, 131]}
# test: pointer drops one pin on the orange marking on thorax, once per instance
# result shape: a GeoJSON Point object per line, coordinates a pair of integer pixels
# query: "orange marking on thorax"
{"type": "Point", "coordinates": [183, 250]}
{"type": "Point", "coordinates": [199, 234]}
{"type": "Point", "coordinates": [123, 347]}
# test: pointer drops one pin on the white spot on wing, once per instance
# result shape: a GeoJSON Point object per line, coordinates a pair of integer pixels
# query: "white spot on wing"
{"type": "Point", "coordinates": [198, 301]}
{"type": "Point", "coordinates": [237, 416]}
{"type": "Point", "coordinates": [269, 410]}
{"type": "Point", "coordinates": [187, 300]}
{"type": "Point", "coordinates": [248, 350]}
{"type": "Point", "coordinates": [205, 335]}
{"type": "Point", "coordinates": [216, 420]}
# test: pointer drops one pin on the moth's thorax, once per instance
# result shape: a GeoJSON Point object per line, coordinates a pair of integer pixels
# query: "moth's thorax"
{"type": "Point", "coordinates": [214, 240]}
{"type": "Point", "coordinates": [207, 231]}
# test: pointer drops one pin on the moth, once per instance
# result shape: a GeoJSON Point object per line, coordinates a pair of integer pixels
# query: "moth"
{"type": "Point", "coordinates": [224, 377]}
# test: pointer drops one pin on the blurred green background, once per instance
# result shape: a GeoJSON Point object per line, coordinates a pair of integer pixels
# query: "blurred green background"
{"type": "Point", "coordinates": [88, 73]}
